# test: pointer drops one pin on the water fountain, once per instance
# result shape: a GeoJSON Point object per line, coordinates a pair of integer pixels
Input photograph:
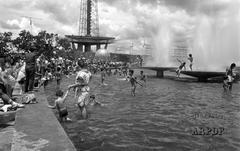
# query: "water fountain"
{"type": "Point", "coordinates": [215, 42]}
{"type": "Point", "coordinates": [162, 41]}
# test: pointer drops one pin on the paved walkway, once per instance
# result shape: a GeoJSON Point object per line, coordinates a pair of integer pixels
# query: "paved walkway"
{"type": "Point", "coordinates": [36, 128]}
{"type": "Point", "coordinates": [6, 136]}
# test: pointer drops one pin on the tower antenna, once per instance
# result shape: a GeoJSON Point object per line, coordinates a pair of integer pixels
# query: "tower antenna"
{"type": "Point", "coordinates": [30, 21]}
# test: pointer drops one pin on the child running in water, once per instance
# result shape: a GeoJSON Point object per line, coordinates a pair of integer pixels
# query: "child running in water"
{"type": "Point", "coordinates": [103, 75]}
{"type": "Point", "coordinates": [93, 102]}
{"type": "Point", "coordinates": [143, 77]}
{"type": "Point", "coordinates": [190, 58]}
{"type": "Point", "coordinates": [60, 106]}
{"type": "Point", "coordinates": [182, 65]}
{"type": "Point", "coordinates": [133, 81]}
{"type": "Point", "coordinates": [58, 77]}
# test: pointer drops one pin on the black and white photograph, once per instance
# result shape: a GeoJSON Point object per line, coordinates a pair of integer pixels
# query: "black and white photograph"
{"type": "Point", "coordinates": [119, 75]}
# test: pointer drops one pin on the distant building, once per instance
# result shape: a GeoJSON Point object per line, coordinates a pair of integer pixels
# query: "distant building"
{"type": "Point", "coordinates": [180, 50]}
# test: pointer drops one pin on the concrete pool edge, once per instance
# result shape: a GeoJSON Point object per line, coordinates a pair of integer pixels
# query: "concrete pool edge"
{"type": "Point", "coordinates": [37, 128]}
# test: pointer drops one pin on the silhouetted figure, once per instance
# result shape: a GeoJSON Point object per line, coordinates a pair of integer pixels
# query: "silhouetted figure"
{"type": "Point", "coordinates": [30, 68]}
{"type": "Point", "coordinates": [182, 65]}
{"type": "Point", "coordinates": [190, 58]}
{"type": "Point", "coordinates": [229, 78]}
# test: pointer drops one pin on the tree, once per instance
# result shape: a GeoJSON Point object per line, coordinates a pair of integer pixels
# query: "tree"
{"type": "Point", "coordinates": [64, 43]}
{"type": "Point", "coordinates": [5, 40]}
{"type": "Point", "coordinates": [64, 48]}
{"type": "Point", "coordinates": [43, 41]}
{"type": "Point", "coordinates": [23, 41]}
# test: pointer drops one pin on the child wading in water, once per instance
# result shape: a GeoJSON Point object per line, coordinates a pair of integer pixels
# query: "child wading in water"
{"type": "Point", "coordinates": [81, 88]}
{"type": "Point", "coordinates": [93, 102]}
{"type": "Point", "coordinates": [143, 78]}
{"type": "Point", "coordinates": [182, 65]}
{"type": "Point", "coordinates": [103, 75]}
{"type": "Point", "coordinates": [60, 106]}
{"type": "Point", "coordinates": [45, 79]}
{"type": "Point", "coordinates": [58, 77]}
{"type": "Point", "coordinates": [133, 81]}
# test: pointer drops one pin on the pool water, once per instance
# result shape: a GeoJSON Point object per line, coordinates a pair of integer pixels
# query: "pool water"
{"type": "Point", "coordinates": [167, 115]}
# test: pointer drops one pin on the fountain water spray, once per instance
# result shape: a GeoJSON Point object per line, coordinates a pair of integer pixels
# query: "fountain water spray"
{"type": "Point", "coordinates": [214, 44]}
{"type": "Point", "coordinates": [162, 40]}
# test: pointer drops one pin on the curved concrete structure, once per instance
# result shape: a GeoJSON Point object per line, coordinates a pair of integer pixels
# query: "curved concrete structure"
{"type": "Point", "coordinates": [160, 70]}
{"type": "Point", "coordinates": [203, 76]}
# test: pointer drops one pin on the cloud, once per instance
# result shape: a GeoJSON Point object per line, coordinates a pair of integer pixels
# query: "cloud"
{"type": "Point", "coordinates": [123, 19]}
{"type": "Point", "coordinates": [131, 20]}
{"type": "Point", "coordinates": [65, 12]}
{"type": "Point", "coordinates": [143, 21]}
{"type": "Point", "coordinates": [9, 25]}
{"type": "Point", "coordinates": [19, 4]}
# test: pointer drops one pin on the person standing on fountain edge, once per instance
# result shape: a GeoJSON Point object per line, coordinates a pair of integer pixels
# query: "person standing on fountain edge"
{"type": "Point", "coordinates": [190, 58]}
{"type": "Point", "coordinates": [182, 65]}
{"type": "Point", "coordinates": [228, 80]}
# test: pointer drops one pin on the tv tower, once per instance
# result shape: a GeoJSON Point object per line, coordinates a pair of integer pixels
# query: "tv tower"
{"type": "Point", "coordinates": [88, 32]}
{"type": "Point", "coordinates": [89, 20]}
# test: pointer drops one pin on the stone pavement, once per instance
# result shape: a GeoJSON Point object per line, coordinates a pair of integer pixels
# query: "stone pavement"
{"type": "Point", "coordinates": [6, 135]}
{"type": "Point", "coordinates": [36, 129]}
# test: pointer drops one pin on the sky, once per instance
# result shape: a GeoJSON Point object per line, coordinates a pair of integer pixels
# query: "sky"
{"type": "Point", "coordinates": [132, 22]}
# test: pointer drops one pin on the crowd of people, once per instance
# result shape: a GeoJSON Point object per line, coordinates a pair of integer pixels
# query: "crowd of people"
{"type": "Point", "coordinates": [36, 70]}
{"type": "Point", "coordinates": [229, 78]}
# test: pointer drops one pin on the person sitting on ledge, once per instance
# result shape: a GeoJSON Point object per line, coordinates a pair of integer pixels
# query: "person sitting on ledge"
{"type": "Point", "coordinates": [21, 78]}
{"type": "Point", "coordinates": [4, 95]}
{"type": "Point", "coordinates": [61, 107]}
{"type": "Point", "coordinates": [182, 65]}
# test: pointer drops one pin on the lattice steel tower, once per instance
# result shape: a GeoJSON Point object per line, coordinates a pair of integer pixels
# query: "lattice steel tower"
{"type": "Point", "coordinates": [88, 32]}
{"type": "Point", "coordinates": [89, 19]}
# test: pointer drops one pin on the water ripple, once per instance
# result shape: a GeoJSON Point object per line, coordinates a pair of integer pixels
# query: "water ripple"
{"type": "Point", "coordinates": [161, 117]}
